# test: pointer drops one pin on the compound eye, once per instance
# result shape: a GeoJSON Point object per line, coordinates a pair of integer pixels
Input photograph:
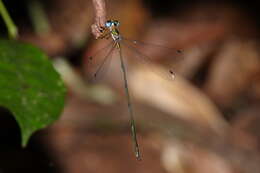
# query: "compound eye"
{"type": "Point", "coordinates": [116, 23]}
{"type": "Point", "coordinates": [108, 23]}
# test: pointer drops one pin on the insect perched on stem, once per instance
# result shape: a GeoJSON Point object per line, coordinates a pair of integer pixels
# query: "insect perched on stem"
{"type": "Point", "coordinates": [110, 30]}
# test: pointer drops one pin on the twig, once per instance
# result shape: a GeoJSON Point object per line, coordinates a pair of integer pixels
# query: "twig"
{"type": "Point", "coordinates": [100, 17]}
{"type": "Point", "coordinates": [38, 17]}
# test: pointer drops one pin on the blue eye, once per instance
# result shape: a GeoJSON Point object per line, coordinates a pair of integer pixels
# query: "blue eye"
{"type": "Point", "coordinates": [108, 24]}
{"type": "Point", "coordinates": [116, 23]}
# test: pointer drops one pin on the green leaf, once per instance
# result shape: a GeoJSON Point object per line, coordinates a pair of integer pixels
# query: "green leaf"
{"type": "Point", "coordinates": [29, 87]}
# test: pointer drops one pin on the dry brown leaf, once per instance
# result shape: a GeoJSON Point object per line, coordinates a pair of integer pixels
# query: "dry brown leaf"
{"type": "Point", "coordinates": [177, 97]}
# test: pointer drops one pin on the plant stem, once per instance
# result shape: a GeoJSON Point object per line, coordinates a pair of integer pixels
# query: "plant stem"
{"type": "Point", "coordinates": [11, 27]}
{"type": "Point", "coordinates": [100, 17]}
{"type": "Point", "coordinates": [38, 17]}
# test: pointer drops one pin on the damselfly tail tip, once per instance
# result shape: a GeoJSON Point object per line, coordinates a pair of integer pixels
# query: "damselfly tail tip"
{"type": "Point", "coordinates": [138, 156]}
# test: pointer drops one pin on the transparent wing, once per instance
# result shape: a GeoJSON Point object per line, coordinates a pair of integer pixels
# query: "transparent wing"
{"type": "Point", "coordinates": [146, 54]}
{"type": "Point", "coordinates": [149, 49]}
{"type": "Point", "coordinates": [98, 63]}
{"type": "Point", "coordinates": [146, 43]}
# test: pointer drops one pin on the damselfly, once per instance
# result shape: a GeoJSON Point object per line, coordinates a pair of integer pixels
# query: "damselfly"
{"type": "Point", "coordinates": [110, 31]}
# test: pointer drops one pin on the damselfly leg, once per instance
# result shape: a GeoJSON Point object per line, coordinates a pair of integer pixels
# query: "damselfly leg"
{"type": "Point", "coordinates": [98, 63]}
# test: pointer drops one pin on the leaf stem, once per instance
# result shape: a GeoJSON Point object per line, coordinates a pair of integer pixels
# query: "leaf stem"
{"type": "Point", "coordinates": [11, 27]}
{"type": "Point", "coordinates": [38, 17]}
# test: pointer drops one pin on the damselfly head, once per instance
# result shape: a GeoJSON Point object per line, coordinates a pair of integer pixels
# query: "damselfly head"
{"type": "Point", "coordinates": [111, 23]}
